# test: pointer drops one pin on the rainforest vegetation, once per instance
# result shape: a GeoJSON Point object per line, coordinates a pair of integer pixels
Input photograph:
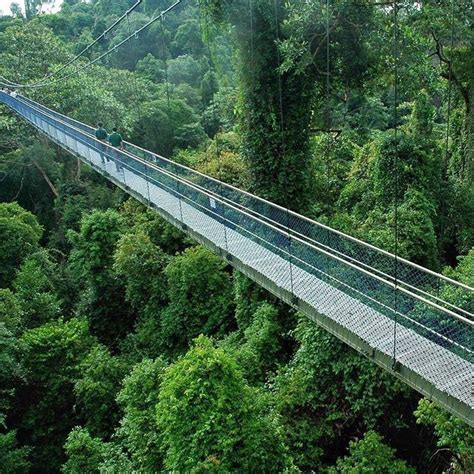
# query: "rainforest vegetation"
{"type": "Point", "coordinates": [127, 347]}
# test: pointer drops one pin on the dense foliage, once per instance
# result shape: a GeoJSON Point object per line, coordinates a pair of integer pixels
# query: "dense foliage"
{"type": "Point", "coordinates": [125, 346]}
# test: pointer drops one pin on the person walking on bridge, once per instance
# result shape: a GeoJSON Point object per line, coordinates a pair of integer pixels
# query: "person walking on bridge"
{"type": "Point", "coordinates": [115, 139]}
{"type": "Point", "coordinates": [102, 135]}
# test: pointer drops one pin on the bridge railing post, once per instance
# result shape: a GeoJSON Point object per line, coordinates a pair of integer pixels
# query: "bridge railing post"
{"type": "Point", "coordinates": [147, 179]}
{"type": "Point", "coordinates": [179, 192]}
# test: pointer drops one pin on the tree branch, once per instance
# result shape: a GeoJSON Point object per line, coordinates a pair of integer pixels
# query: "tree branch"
{"type": "Point", "coordinates": [450, 75]}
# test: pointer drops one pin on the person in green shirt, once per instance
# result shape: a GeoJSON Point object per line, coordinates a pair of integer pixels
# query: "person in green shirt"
{"type": "Point", "coordinates": [101, 132]}
{"type": "Point", "coordinates": [102, 135]}
{"type": "Point", "coordinates": [115, 139]}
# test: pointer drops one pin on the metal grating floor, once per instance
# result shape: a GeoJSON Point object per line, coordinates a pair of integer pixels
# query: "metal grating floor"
{"type": "Point", "coordinates": [421, 355]}
{"type": "Point", "coordinates": [439, 367]}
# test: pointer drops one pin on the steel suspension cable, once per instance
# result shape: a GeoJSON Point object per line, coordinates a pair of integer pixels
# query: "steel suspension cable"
{"type": "Point", "coordinates": [103, 35]}
{"type": "Point", "coordinates": [111, 50]}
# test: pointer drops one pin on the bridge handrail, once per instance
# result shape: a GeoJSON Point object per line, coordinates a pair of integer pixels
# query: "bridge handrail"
{"type": "Point", "coordinates": [315, 244]}
{"type": "Point", "coordinates": [279, 229]}
{"type": "Point", "coordinates": [400, 260]}
{"type": "Point", "coordinates": [416, 339]}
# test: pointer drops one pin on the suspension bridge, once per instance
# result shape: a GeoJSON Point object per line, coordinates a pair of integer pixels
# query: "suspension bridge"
{"type": "Point", "coordinates": [402, 316]}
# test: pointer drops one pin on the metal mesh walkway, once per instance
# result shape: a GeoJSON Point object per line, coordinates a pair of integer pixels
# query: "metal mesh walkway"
{"type": "Point", "coordinates": [412, 325]}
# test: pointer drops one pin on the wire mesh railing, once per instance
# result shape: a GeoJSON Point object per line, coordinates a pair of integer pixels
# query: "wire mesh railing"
{"type": "Point", "coordinates": [300, 255]}
{"type": "Point", "coordinates": [414, 278]}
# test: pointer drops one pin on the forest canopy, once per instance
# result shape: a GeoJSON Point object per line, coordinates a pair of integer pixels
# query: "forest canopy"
{"type": "Point", "coordinates": [127, 347]}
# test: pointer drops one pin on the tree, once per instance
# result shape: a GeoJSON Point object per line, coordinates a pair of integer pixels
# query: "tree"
{"type": "Point", "coordinates": [281, 79]}
{"type": "Point", "coordinates": [184, 69]}
{"type": "Point", "coordinates": [10, 312]}
{"type": "Point", "coordinates": [19, 237]}
{"type": "Point", "coordinates": [141, 264]}
{"type": "Point", "coordinates": [416, 233]}
{"type": "Point", "coordinates": [96, 389]}
{"type": "Point", "coordinates": [453, 435]}
{"type": "Point", "coordinates": [163, 126]}
{"type": "Point", "coordinates": [258, 351]}
{"type": "Point", "coordinates": [370, 455]}
{"type": "Point", "coordinates": [188, 40]}
{"type": "Point", "coordinates": [166, 236]}
{"type": "Point", "coordinates": [200, 298]}
{"type": "Point", "coordinates": [138, 430]}
{"type": "Point", "coordinates": [455, 64]}
{"type": "Point", "coordinates": [31, 178]}
{"type": "Point", "coordinates": [328, 392]}
{"type": "Point", "coordinates": [151, 68]}
{"type": "Point", "coordinates": [88, 454]}
{"type": "Point", "coordinates": [32, 7]}
{"type": "Point", "coordinates": [464, 273]}
{"type": "Point", "coordinates": [278, 165]}
{"type": "Point", "coordinates": [92, 259]}
{"type": "Point", "coordinates": [10, 371]}
{"type": "Point", "coordinates": [35, 290]}
{"type": "Point", "coordinates": [211, 420]}
{"type": "Point", "coordinates": [51, 357]}
{"type": "Point", "coordinates": [13, 459]}
{"type": "Point", "coordinates": [15, 10]}
{"type": "Point", "coordinates": [23, 52]}
{"type": "Point", "coordinates": [84, 453]}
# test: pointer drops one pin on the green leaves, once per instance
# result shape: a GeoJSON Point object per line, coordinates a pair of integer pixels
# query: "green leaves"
{"type": "Point", "coordinates": [51, 356]}
{"type": "Point", "coordinates": [452, 433]}
{"type": "Point", "coordinates": [200, 298]}
{"type": "Point", "coordinates": [370, 455]}
{"type": "Point", "coordinates": [141, 264]}
{"type": "Point", "coordinates": [13, 458]}
{"type": "Point", "coordinates": [211, 420]}
{"type": "Point", "coordinates": [327, 392]}
{"type": "Point", "coordinates": [138, 428]}
{"type": "Point", "coordinates": [19, 236]}
{"type": "Point", "coordinates": [96, 389]}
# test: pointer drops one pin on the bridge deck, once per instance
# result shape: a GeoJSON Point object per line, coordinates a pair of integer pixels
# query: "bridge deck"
{"type": "Point", "coordinates": [443, 369]}
{"type": "Point", "coordinates": [435, 371]}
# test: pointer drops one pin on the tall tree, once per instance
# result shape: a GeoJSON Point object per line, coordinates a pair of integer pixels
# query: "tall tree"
{"type": "Point", "coordinates": [211, 420]}
{"type": "Point", "coordinates": [51, 356]}
{"type": "Point", "coordinates": [20, 233]}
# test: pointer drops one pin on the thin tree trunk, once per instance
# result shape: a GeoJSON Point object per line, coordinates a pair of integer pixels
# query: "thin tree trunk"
{"type": "Point", "coordinates": [46, 178]}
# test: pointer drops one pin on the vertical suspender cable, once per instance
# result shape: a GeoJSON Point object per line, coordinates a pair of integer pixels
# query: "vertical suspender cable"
{"type": "Point", "coordinates": [448, 129]}
{"type": "Point", "coordinates": [134, 56]}
{"type": "Point", "coordinates": [216, 120]}
{"type": "Point", "coordinates": [165, 60]}
{"type": "Point", "coordinates": [203, 32]}
{"type": "Point", "coordinates": [397, 184]}
{"type": "Point", "coordinates": [328, 137]}
{"type": "Point", "coordinates": [168, 102]}
{"type": "Point", "coordinates": [283, 142]}
{"type": "Point", "coordinates": [450, 77]}
{"type": "Point", "coordinates": [252, 49]}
